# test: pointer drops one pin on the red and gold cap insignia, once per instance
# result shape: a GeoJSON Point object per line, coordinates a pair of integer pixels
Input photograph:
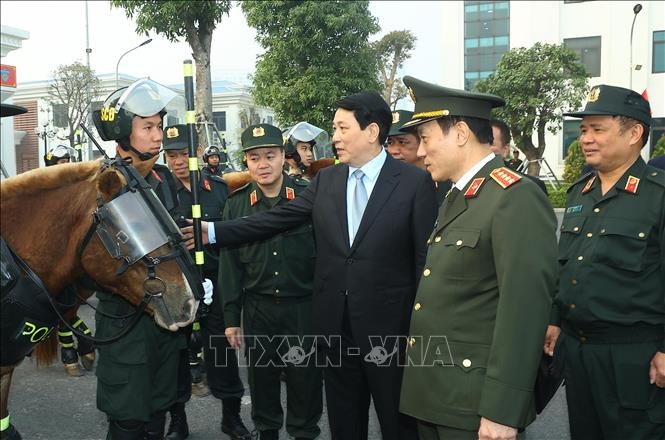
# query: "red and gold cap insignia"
{"type": "Point", "coordinates": [588, 185]}
{"type": "Point", "coordinates": [172, 132]}
{"type": "Point", "coordinates": [631, 184]}
{"type": "Point", "coordinates": [290, 193]}
{"type": "Point", "coordinates": [505, 177]}
{"type": "Point", "coordinates": [473, 189]}
{"type": "Point", "coordinates": [258, 132]}
{"type": "Point", "coordinates": [253, 198]}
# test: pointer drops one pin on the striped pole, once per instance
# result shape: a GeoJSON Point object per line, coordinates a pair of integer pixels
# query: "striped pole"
{"type": "Point", "coordinates": [190, 120]}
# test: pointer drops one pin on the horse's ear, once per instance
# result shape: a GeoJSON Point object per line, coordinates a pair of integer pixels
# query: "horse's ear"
{"type": "Point", "coordinates": [109, 184]}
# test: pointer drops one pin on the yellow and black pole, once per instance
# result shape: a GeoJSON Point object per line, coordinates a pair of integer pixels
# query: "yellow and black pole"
{"type": "Point", "coordinates": [190, 120]}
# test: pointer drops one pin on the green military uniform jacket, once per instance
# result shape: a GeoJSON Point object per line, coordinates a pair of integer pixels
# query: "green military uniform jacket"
{"type": "Point", "coordinates": [281, 266]}
{"type": "Point", "coordinates": [612, 252]}
{"type": "Point", "coordinates": [482, 307]}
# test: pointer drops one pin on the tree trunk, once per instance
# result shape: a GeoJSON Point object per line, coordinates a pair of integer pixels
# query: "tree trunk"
{"type": "Point", "coordinates": [200, 41]}
{"type": "Point", "coordinates": [531, 153]}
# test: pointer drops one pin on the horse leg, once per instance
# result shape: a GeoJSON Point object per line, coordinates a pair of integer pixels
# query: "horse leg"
{"type": "Point", "coordinates": [8, 431]}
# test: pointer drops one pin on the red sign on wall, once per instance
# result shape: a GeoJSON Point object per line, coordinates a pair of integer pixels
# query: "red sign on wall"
{"type": "Point", "coordinates": [7, 75]}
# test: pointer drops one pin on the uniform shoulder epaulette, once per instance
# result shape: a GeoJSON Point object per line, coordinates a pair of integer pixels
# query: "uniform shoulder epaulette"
{"type": "Point", "coordinates": [656, 175]}
{"type": "Point", "coordinates": [300, 181]}
{"type": "Point", "coordinates": [216, 178]}
{"type": "Point", "coordinates": [240, 190]}
{"type": "Point", "coordinates": [505, 177]}
{"type": "Point", "coordinates": [584, 179]}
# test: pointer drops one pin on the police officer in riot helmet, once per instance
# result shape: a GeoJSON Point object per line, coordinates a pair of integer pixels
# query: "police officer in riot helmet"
{"type": "Point", "coordinates": [58, 155]}
{"type": "Point", "coordinates": [147, 357]}
{"type": "Point", "coordinates": [299, 155]}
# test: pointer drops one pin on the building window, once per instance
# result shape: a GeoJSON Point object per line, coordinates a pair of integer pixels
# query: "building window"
{"type": "Point", "coordinates": [486, 38]}
{"type": "Point", "coordinates": [219, 119]}
{"type": "Point", "coordinates": [658, 52]}
{"type": "Point", "coordinates": [570, 132]}
{"type": "Point", "coordinates": [60, 116]}
{"type": "Point", "coordinates": [588, 49]}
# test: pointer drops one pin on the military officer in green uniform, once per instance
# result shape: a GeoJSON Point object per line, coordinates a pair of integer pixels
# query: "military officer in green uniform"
{"type": "Point", "coordinates": [483, 302]}
{"type": "Point", "coordinates": [220, 363]}
{"type": "Point", "coordinates": [136, 374]}
{"type": "Point", "coordinates": [610, 303]}
{"type": "Point", "coordinates": [403, 145]}
{"type": "Point", "coordinates": [270, 283]}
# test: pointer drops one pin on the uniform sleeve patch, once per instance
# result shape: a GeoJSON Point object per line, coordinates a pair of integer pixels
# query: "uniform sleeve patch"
{"type": "Point", "coordinates": [505, 177]}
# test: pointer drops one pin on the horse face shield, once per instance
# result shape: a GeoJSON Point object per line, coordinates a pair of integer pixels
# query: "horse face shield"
{"type": "Point", "coordinates": [128, 229]}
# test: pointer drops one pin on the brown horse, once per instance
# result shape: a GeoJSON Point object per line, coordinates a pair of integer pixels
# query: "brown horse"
{"type": "Point", "coordinates": [45, 219]}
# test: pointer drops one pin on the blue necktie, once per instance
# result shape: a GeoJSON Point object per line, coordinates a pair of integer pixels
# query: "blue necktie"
{"type": "Point", "coordinates": [359, 202]}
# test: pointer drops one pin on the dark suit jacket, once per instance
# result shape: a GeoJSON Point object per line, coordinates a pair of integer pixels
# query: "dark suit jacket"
{"type": "Point", "coordinates": [378, 275]}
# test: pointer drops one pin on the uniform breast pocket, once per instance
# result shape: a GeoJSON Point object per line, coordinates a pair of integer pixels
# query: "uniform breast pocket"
{"type": "Point", "coordinates": [570, 231]}
{"type": "Point", "coordinates": [622, 244]}
{"type": "Point", "coordinates": [462, 253]}
{"type": "Point", "coordinates": [299, 242]}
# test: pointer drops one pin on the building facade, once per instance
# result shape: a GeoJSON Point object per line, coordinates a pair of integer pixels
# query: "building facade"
{"type": "Point", "coordinates": [45, 127]}
{"type": "Point", "coordinates": [479, 32]}
{"type": "Point", "coordinates": [10, 132]}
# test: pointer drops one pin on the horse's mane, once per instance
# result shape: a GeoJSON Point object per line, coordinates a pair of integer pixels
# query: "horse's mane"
{"type": "Point", "coordinates": [48, 178]}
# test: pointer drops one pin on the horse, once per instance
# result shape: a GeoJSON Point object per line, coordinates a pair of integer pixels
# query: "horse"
{"type": "Point", "coordinates": [46, 221]}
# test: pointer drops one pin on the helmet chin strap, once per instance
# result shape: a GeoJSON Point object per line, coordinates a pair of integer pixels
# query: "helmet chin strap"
{"type": "Point", "coordinates": [142, 156]}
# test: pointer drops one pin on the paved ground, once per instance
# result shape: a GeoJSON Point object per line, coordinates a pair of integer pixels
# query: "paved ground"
{"type": "Point", "coordinates": [45, 404]}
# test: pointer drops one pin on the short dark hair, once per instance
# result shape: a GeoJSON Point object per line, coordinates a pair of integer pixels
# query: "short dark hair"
{"type": "Point", "coordinates": [503, 129]}
{"type": "Point", "coordinates": [481, 128]}
{"type": "Point", "coordinates": [626, 122]}
{"type": "Point", "coordinates": [368, 107]}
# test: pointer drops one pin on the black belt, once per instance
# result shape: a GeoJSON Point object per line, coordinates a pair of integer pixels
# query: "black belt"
{"type": "Point", "coordinates": [613, 334]}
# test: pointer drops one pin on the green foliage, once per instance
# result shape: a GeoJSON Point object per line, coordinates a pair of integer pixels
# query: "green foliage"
{"type": "Point", "coordinates": [316, 52]}
{"type": "Point", "coordinates": [538, 84]}
{"type": "Point", "coordinates": [193, 20]}
{"type": "Point", "coordinates": [391, 51]}
{"type": "Point", "coordinates": [573, 163]}
{"type": "Point", "coordinates": [73, 86]}
{"type": "Point", "coordinates": [174, 19]}
{"type": "Point", "coordinates": [659, 148]}
{"type": "Point", "coordinates": [557, 196]}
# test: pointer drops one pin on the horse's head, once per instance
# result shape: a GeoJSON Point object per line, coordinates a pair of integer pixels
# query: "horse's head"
{"type": "Point", "coordinates": [134, 248]}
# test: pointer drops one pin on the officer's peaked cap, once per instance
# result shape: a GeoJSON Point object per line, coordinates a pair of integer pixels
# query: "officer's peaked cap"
{"type": "Point", "coordinates": [615, 101]}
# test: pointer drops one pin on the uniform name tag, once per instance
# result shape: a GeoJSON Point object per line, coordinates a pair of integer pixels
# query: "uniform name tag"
{"type": "Point", "coordinates": [574, 209]}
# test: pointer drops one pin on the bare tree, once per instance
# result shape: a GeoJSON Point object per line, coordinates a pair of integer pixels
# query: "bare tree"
{"type": "Point", "coordinates": [391, 51]}
{"type": "Point", "coordinates": [69, 90]}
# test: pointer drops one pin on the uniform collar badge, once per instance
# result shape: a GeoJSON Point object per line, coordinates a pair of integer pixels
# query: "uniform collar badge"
{"type": "Point", "coordinates": [631, 184]}
{"type": "Point", "coordinates": [473, 189]}
{"type": "Point", "coordinates": [253, 198]}
{"type": "Point", "coordinates": [588, 185]}
{"type": "Point", "coordinates": [290, 193]}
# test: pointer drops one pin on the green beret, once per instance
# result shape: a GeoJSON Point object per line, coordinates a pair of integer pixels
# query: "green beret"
{"type": "Point", "coordinates": [615, 101]}
{"type": "Point", "coordinates": [261, 135]}
{"type": "Point", "coordinates": [434, 101]}
{"type": "Point", "coordinates": [176, 137]}
{"type": "Point", "coordinates": [400, 117]}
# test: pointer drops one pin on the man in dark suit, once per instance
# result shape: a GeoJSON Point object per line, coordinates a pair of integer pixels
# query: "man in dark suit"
{"type": "Point", "coordinates": [371, 229]}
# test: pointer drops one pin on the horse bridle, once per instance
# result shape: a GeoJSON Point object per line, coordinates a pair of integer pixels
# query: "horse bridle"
{"type": "Point", "coordinates": [137, 191]}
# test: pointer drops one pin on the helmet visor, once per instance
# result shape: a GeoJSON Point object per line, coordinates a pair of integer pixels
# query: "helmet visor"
{"type": "Point", "coordinates": [306, 132]}
{"type": "Point", "coordinates": [62, 151]}
{"type": "Point", "coordinates": [147, 98]}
